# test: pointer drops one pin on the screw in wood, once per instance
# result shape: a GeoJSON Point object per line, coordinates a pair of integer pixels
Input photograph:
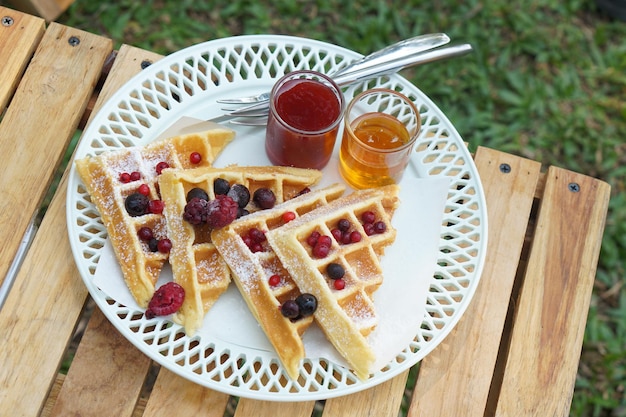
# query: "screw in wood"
{"type": "Point", "coordinates": [145, 63]}
{"type": "Point", "coordinates": [505, 168]}
{"type": "Point", "coordinates": [73, 40]}
{"type": "Point", "coordinates": [573, 187]}
{"type": "Point", "coordinates": [7, 21]}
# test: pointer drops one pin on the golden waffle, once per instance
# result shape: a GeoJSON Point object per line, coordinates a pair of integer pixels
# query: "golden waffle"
{"type": "Point", "coordinates": [345, 315]}
{"type": "Point", "coordinates": [101, 175]}
{"type": "Point", "coordinates": [196, 264]}
{"type": "Point", "coordinates": [252, 270]}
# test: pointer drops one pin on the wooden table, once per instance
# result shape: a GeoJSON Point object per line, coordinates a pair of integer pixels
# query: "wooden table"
{"type": "Point", "coordinates": [545, 230]}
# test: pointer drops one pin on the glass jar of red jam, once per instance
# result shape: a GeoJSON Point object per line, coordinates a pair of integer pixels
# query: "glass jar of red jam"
{"type": "Point", "coordinates": [305, 113]}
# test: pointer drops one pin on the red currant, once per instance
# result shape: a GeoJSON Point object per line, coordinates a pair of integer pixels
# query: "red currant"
{"type": "Point", "coordinates": [337, 234]}
{"type": "Point", "coordinates": [369, 229]}
{"type": "Point", "coordinates": [355, 237]}
{"type": "Point", "coordinates": [144, 189]}
{"type": "Point", "coordinates": [339, 284]}
{"type": "Point", "coordinates": [156, 206]}
{"type": "Point", "coordinates": [124, 177]}
{"type": "Point", "coordinates": [288, 216]}
{"type": "Point", "coordinates": [195, 158]}
{"type": "Point", "coordinates": [145, 234]}
{"type": "Point", "coordinates": [164, 245]}
{"type": "Point", "coordinates": [312, 239]}
{"type": "Point", "coordinates": [324, 240]}
{"type": "Point", "coordinates": [274, 280]}
{"type": "Point", "coordinates": [135, 176]}
{"type": "Point", "coordinates": [368, 217]}
{"type": "Point", "coordinates": [380, 227]}
{"type": "Point", "coordinates": [161, 166]}
{"type": "Point", "coordinates": [321, 250]}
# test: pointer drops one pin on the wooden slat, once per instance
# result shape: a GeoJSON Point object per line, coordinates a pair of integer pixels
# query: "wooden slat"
{"type": "Point", "coordinates": [454, 380]}
{"type": "Point", "coordinates": [102, 345]}
{"type": "Point", "coordinates": [383, 400]}
{"type": "Point", "coordinates": [48, 9]}
{"type": "Point", "coordinates": [173, 395]}
{"type": "Point", "coordinates": [47, 288]}
{"type": "Point", "coordinates": [551, 312]}
{"type": "Point", "coordinates": [18, 39]}
{"type": "Point", "coordinates": [107, 374]}
{"type": "Point", "coordinates": [254, 408]}
{"type": "Point", "coordinates": [39, 124]}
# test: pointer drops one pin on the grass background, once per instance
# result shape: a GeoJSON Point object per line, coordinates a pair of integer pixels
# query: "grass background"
{"type": "Point", "coordinates": [547, 81]}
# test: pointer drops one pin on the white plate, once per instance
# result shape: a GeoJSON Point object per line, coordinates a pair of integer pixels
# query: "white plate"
{"type": "Point", "coordinates": [188, 83]}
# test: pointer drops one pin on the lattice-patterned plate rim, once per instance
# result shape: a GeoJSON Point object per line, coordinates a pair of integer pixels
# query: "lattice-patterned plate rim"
{"type": "Point", "coordinates": [187, 83]}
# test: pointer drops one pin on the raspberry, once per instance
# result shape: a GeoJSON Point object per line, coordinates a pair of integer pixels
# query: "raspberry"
{"type": "Point", "coordinates": [221, 211]}
{"type": "Point", "coordinates": [166, 300]}
{"type": "Point", "coordinates": [196, 211]}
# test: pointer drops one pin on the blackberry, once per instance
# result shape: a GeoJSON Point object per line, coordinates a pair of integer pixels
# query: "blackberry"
{"type": "Point", "coordinates": [221, 186]}
{"type": "Point", "coordinates": [264, 198]}
{"type": "Point", "coordinates": [240, 194]}
{"type": "Point", "coordinates": [196, 211]}
{"type": "Point", "coordinates": [136, 204]}
{"type": "Point", "coordinates": [197, 193]}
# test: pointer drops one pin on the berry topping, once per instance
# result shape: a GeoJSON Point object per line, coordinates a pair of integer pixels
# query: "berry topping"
{"type": "Point", "coordinates": [339, 284]}
{"type": "Point", "coordinates": [355, 236]}
{"type": "Point", "coordinates": [124, 177]}
{"type": "Point", "coordinates": [344, 225]}
{"type": "Point", "coordinates": [321, 250]}
{"type": "Point", "coordinates": [324, 240]}
{"type": "Point", "coordinates": [196, 211]}
{"type": "Point", "coordinates": [166, 300]}
{"type": "Point", "coordinates": [307, 304]}
{"type": "Point", "coordinates": [135, 176]}
{"type": "Point", "coordinates": [161, 166]}
{"type": "Point", "coordinates": [380, 227]}
{"type": "Point", "coordinates": [369, 229]}
{"type": "Point", "coordinates": [304, 191]}
{"type": "Point", "coordinates": [145, 234]}
{"type": "Point", "coordinates": [136, 204]}
{"type": "Point", "coordinates": [264, 198]}
{"type": "Point", "coordinates": [288, 216]}
{"type": "Point", "coordinates": [368, 217]}
{"type": "Point", "coordinates": [254, 240]}
{"type": "Point", "coordinates": [242, 212]}
{"type": "Point", "coordinates": [240, 194]}
{"type": "Point", "coordinates": [256, 235]}
{"type": "Point", "coordinates": [221, 186]}
{"type": "Point", "coordinates": [335, 271]}
{"type": "Point", "coordinates": [195, 158]}
{"type": "Point", "coordinates": [290, 309]}
{"type": "Point", "coordinates": [312, 239]}
{"type": "Point", "coordinates": [156, 206]}
{"type": "Point", "coordinates": [337, 234]}
{"type": "Point", "coordinates": [153, 245]}
{"type": "Point", "coordinates": [144, 189]}
{"type": "Point", "coordinates": [197, 193]}
{"type": "Point", "coordinates": [221, 211]}
{"type": "Point", "coordinates": [274, 280]}
{"type": "Point", "coordinates": [164, 245]}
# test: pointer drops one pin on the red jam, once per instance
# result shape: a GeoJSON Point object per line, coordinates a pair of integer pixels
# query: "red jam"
{"type": "Point", "coordinates": [303, 126]}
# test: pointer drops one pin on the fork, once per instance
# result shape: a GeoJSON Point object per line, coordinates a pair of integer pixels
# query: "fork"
{"type": "Point", "coordinates": [261, 108]}
{"type": "Point", "coordinates": [404, 48]}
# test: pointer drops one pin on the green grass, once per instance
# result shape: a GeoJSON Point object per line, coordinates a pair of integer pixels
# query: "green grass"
{"type": "Point", "coordinates": [547, 81]}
